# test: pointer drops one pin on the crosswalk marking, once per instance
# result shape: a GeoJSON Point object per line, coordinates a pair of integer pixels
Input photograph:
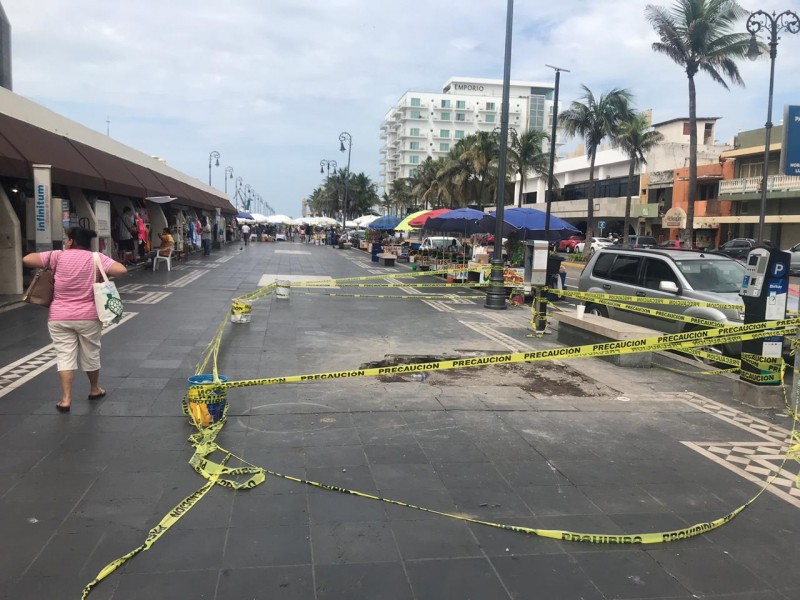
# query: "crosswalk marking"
{"type": "Point", "coordinates": [148, 298]}
{"type": "Point", "coordinates": [26, 368]}
{"type": "Point", "coordinates": [186, 279]}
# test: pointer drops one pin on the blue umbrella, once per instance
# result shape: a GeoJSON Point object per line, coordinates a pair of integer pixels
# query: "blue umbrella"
{"type": "Point", "coordinates": [530, 223]}
{"type": "Point", "coordinates": [385, 222]}
{"type": "Point", "coordinates": [460, 220]}
{"type": "Point", "coordinates": [244, 215]}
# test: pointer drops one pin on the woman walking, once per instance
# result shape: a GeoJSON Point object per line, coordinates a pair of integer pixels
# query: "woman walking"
{"type": "Point", "coordinates": [72, 322]}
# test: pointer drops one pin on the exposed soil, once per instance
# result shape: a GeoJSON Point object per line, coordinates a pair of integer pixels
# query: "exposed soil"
{"type": "Point", "coordinates": [539, 378]}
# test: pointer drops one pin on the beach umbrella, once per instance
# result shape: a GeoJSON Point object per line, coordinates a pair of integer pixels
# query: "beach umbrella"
{"type": "Point", "coordinates": [279, 220]}
{"type": "Point", "coordinates": [420, 220]}
{"type": "Point", "coordinates": [461, 220]}
{"type": "Point", "coordinates": [530, 224]}
{"type": "Point", "coordinates": [404, 224]}
{"type": "Point", "coordinates": [385, 222]}
{"type": "Point", "coordinates": [365, 220]}
{"type": "Point", "coordinates": [244, 215]}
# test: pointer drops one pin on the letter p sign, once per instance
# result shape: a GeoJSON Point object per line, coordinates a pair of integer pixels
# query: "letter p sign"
{"type": "Point", "coordinates": [778, 269]}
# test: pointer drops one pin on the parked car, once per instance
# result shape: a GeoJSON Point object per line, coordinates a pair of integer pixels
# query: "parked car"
{"type": "Point", "coordinates": [568, 245]}
{"type": "Point", "coordinates": [677, 245]}
{"type": "Point", "coordinates": [737, 248]}
{"type": "Point", "coordinates": [440, 244]}
{"type": "Point", "coordinates": [794, 267]}
{"type": "Point", "coordinates": [666, 273]}
{"type": "Point", "coordinates": [637, 241]}
{"type": "Point", "coordinates": [594, 244]}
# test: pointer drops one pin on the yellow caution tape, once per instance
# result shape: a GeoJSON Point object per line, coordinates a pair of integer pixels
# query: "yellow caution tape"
{"type": "Point", "coordinates": [691, 339]}
{"type": "Point", "coordinates": [389, 297]}
{"type": "Point", "coordinates": [153, 536]}
{"type": "Point", "coordinates": [593, 296]}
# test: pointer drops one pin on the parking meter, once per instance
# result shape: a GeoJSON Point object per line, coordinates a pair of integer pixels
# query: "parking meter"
{"type": "Point", "coordinates": [535, 271]}
{"type": "Point", "coordinates": [764, 290]}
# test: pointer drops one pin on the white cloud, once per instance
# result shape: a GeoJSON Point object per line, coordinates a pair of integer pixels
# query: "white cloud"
{"type": "Point", "coordinates": [270, 85]}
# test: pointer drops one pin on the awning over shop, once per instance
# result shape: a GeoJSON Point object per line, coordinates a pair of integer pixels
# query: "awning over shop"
{"type": "Point", "coordinates": [77, 164]}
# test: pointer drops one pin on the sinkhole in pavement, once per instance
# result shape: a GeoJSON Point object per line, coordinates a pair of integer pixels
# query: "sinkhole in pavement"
{"type": "Point", "coordinates": [540, 378]}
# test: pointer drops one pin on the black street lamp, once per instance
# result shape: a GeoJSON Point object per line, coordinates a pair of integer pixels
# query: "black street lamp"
{"type": "Point", "coordinates": [228, 175]}
{"type": "Point", "coordinates": [247, 196]}
{"type": "Point", "coordinates": [238, 193]}
{"type": "Point", "coordinates": [789, 22]}
{"type": "Point", "coordinates": [496, 293]}
{"type": "Point", "coordinates": [345, 137]}
{"type": "Point", "coordinates": [213, 156]}
{"type": "Point", "coordinates": [549, 196]}
{"type": "Point", "coordinates": [327, 164]}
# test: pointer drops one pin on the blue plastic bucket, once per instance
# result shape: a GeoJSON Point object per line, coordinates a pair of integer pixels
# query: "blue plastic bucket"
{"type": "Point", "coordinates": [208, 411]}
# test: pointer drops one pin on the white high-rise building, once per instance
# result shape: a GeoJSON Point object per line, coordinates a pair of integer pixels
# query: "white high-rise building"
{"type": "Point", "coordinates": [424, 124]}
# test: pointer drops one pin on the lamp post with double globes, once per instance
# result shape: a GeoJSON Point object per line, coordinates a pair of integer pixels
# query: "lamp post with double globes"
{"type": "Point", "coordinates": [760, 20]}
{"type": "Point", "coordinates": [345, 137]}
{"type": "Point", "coordinates": [213, 156]}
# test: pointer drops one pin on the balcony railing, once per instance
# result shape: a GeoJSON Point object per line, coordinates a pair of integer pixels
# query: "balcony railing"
{"type": "Point", "coordinates": [751, 185]}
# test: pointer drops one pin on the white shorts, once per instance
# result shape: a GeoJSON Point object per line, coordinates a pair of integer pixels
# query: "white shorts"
{"type": "Point", "coordinates": [77, 344]}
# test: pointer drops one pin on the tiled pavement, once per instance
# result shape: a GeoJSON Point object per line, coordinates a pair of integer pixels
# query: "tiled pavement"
{"type": "Point", "coordinates": [600, 450]}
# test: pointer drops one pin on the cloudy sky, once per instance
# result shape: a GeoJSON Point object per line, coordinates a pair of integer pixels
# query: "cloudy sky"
{"type": "Point", "coordinates": [270, 84]}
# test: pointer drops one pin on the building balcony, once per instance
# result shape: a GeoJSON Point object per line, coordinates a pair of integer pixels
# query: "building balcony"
{"type": "Point", "coordinates": [419, 136]}
{"type": "Point", "coordinates": [752, 185]}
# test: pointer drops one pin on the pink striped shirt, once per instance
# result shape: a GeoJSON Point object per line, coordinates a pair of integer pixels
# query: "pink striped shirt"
{"type": "Point", "coordinates": [73, 295]}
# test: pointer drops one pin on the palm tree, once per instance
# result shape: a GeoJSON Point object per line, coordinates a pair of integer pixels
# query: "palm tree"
{"type": "Point", "coordinates": [595, 119]}
{"type": "Point", "coordinates": [526, 155]}
{"type": "Point", "coordinates": [697, 35]}
{"type": "Point", "coordinates": [635, 138]}
{"type": "Point", "coordinates": [482, 151]}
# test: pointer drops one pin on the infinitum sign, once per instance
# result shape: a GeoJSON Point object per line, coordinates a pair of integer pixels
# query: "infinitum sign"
{"type": "Point", "coordinates": [790, 148]}
{"type": "Point", "coordinates": [42, 208]}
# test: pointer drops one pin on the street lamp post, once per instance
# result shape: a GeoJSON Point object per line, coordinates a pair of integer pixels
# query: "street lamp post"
{"type": "Point", "coordinates": [757, 21]}
{"type": "Point", "coordinates": [215, 157]}
{"type": "Point", "coordinates": [329, 164]}
{"type": "Point", "coordinates": [549, 196]}
{"type": "Point", "coordinates": [238, 193]}
{"type": "Point", "coordinates": [228, 175]}
{"type": "Point", "coordinates": [345, 137]}
{"type": "Point", "coordinates": [496, 294]}
{"type": "Point", "coordinates": [247, 193]}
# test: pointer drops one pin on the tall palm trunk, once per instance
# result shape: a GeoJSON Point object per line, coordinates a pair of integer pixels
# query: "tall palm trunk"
{"type": "Point", "coordinates": [692, 191]}
{"type": "Point", "coordinates": [627, 227]}
{"type": "Point", "coordinates": [590, 197]}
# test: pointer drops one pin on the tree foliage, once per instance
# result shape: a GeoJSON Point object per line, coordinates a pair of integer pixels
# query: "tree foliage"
{"type": "Point", "coordinates": [699, 35]}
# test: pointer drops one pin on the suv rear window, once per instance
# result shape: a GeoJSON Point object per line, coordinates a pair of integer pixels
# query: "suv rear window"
{"type": "Point", "coordinates": [603, 264]}
{"type": "Point", "coordinates": [644, 241]}
{"type": "Point", "coordinates": [625, 269]}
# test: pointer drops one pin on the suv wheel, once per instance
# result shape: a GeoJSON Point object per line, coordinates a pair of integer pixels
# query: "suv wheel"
{"type": "Point", "coordinates": [597, 309]}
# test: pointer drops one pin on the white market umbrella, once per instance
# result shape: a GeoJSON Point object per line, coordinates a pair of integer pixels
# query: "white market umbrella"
{"type": "Point", "coordinates": [351, 224]}
{"type": "Point", "coordinates": [324, 221]}
{"type": "Point", "coordinates": [280, 220]}
{"type": "Point", "coordinates": [366, 220]}
{"type": "Point", "coordinates": [259, 218]}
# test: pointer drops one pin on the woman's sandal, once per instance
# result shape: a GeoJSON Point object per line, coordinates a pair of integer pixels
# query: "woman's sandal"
{"type": "Point", "coordinates": [62, 409]}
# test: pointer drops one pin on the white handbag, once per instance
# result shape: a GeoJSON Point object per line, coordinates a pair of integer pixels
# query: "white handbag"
{"type": "Point", "coordinates": [106, 297]}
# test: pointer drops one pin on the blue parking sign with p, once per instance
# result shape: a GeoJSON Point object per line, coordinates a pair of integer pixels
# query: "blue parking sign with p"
{"type": "Point", "coordinates": [779, 269]}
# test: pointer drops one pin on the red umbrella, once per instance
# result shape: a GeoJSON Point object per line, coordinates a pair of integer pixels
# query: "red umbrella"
{"type": "Point", "coordinates": [420, 220]}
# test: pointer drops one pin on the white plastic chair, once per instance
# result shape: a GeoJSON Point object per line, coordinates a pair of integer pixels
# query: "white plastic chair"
{"type": "Point", "coordinates": [167, 259]}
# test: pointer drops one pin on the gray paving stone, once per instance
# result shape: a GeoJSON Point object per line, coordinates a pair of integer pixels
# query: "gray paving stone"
{"type": "Point", "coordinates": [455, 578]}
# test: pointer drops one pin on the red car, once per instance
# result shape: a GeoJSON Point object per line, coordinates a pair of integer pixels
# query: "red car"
{"type": "Point", "coordinates": [677, 245]}
{"type": "Point", "coordinates": [568, 245]}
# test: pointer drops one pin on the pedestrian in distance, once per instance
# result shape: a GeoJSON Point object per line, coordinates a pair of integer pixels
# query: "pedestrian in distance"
{"type": "Point", "coordinates": [73, 322]}
{"type": "Point", "coordinates": [205, 238]}
{"type": "Point", "coordinates": [128, 235]}
{"type": "Point", "coordinates": [246, 234]}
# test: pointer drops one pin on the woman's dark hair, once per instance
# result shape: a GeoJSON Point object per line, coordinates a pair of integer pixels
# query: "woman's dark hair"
{"type": "Point", "coordinates": [82, 237]}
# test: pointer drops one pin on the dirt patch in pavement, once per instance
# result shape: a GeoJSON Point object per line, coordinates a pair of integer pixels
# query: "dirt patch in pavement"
{"type": "Point", "coordinates": [539, 378]}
